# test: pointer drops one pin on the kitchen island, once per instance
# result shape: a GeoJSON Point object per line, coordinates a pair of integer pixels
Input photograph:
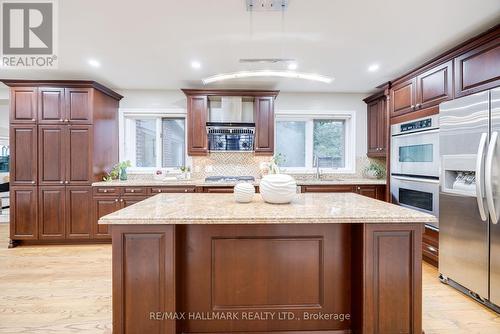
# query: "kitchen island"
{"type": "Point", "coordinates": [331, 263]}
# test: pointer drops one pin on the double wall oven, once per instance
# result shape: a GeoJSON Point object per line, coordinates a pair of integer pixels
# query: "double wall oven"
{"type": "Point", "coordinates": [415, 164]}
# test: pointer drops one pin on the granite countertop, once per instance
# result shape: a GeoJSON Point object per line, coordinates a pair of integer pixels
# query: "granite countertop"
{"type": "Point", "coordinates": [202, 208]}
{"type": "Point", "coordinates": [203, 183]}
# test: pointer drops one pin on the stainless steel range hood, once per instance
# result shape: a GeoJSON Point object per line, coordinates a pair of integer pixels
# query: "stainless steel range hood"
{"type": "Point", "coordinates": [230, 109]}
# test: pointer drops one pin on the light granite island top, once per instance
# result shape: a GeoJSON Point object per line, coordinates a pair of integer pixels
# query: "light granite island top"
{"type": "Point", "coordinates": [338, 262]}
{"type": "Point", "coordinates": [200, 208]}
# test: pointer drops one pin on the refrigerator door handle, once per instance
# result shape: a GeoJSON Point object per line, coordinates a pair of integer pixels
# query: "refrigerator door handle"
{"type": "Point", "coordinates": [488, 178]}
{"type": "Point", "coordinates": [479, 176]}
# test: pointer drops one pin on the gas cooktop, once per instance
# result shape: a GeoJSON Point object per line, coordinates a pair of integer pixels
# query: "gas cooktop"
{"type": "Point", "coordinates": [224, 179]}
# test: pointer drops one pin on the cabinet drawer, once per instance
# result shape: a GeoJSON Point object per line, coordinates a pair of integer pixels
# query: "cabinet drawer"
{"type": "Point", "coordinates": [328, 189]}
{"type": "Point", "coordinates": [111, 191]}
{"type": "Point", "coordinates": [135, 190]}
{"type": "Point", "coordinates": [174, 189]}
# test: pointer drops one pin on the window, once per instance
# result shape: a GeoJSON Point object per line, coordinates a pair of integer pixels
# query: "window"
{"type": "Point", "coordinates": [154, 141]}
{"type": "Point", "coordinates": [324, 139]}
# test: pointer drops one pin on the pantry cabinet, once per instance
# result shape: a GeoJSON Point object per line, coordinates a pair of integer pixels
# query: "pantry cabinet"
{"type": "Point", "coordinates": [54, 125]}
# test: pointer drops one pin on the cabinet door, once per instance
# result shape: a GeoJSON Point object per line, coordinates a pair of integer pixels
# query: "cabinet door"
{"type": "Point", "coordinates": [368, 191]}
{"type": "Point", "coordinates": [478, 69]}
{"type": "Point", "coordinates": [78, 212]}
{"type": "Point", "coordinates": [196, 121]}
{"type": "Point", "coordinates": [435, 86]}
{"type": "Point", "coordinates": [373, 127]}
{"type": "Point", "coordinates": [79, 105]}
{"type": "Point", "coordinates": [51, 105]}
{"type": "Point", "coordinates": [382, 127]}
{"type": "Point", "coordinates": [23, 213]}
{"type": "Point", "coordinates": [328, 189]}
{"type": "Point", "coordinates": [103, 206]}
{"type": "Point", "coordinates": [264, 125]}
{"type": "Point", "coordinates": [79, 155]}
{"type": "Point", "coordinates": [51, 212]}
{"type": "Point", "coordinates": [172, 189]}
{"type": "Point", "coordinates": [129, 200]}
{"type": "Point", "coordinates": [52, 154]}
{"type": "Point", "coordinates": [403, 97]}
{"type": "Point", "coordinates": [23, 147]}
{"type": "Point", "coordinates": [23, 105]}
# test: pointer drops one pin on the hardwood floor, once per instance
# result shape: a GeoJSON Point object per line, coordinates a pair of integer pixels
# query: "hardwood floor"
{"type": "Point", "coordinates": [67, 289]}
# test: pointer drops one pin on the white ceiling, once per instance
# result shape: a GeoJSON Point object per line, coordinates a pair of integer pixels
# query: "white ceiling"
{"type": "Point", "coordinates": [150, 44]}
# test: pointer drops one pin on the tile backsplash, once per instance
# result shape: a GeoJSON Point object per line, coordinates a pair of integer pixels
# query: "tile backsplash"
{"type": "Point", "coordinates": [245, 163]}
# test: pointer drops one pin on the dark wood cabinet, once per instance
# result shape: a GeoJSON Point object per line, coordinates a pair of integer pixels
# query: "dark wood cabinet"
{"type": "Point", "coordinates": [218, 190]}
{"type": "Point", "coordinates": [79, 105]}
{"type": "Point", "coordinates": [78, 212]}
{"type": "Point", "coordinates": [51, 212]}
{"type": "Point", "coordinates": [130, 200]}
{"type": "Point", "coordinates": [435, 86]}
{"type": "Point", "coordinates": [197, 113]}
{"type": "Point", "coordinates": [23, 148]}
{"type": "Point", "coordinates": [23, 105]}
{"type": "Point", "coordinates": [373, 191]}
{"type": "Point", "coordinates": [103, 206]}
{"type": "Point", "coordinates": [172, 189]}
{"type": "Point", "coordinates": [264, 125]}
{"type": "Point", "coordinates": [53, 128]}
{"type": "Point", "coordinates": [478, 69]}
{"type": "Point", "coordinates": [52, 154]}
{"type": "Point", "coordinates": [23, 213]}
{"type": "Point", "coordinates": [403, 97]}
{"type": "Point", "coordinates": [51, 108]}
{"type": "Point", "coordinates": [377, 126]}
{"type": "Point", "coordinates": [430, 245]}
{"type": "Point", "coordinates": [79, 145]}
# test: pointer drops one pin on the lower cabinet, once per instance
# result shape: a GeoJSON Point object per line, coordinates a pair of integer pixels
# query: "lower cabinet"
{"type": "Point", "coordinates": [23, 213]}
{"type": "Point", "coordinates": [78, 212]}
{"type": "Point", "coordinates": [103, 206]}
{"type": "Point", "coordinates": [430, 246]}
{"type": "Point", "coordinates": [372, 191]}
{"type": "Point", "coordinates": [64, 212]}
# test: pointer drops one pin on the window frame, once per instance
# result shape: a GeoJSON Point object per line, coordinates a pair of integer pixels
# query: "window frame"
{"type": "Point", "coordinates": [349, 117]}
{"type": "Point", "coordinates": [127, 136]}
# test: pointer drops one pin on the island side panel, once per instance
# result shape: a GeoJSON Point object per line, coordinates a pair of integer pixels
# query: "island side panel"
{"type": "Point", "coordinates": [387, 294]}
{"type": "Point", "coordinates": [277, 268]}
{"type": "Point", "coordinates": [143, 278]}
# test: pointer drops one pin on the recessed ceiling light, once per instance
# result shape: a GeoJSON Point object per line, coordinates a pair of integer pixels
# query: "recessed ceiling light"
{"type": "Point", "coordinates": [195, 64]}
{"type": "Point", "coordinates": [292, 66]}
{"type": "Point", "coordinates": [94, 63]}
{"type": "Point", "coordinates": [373, 67]}
{"type": "Point", "coordinates": [268, 73]}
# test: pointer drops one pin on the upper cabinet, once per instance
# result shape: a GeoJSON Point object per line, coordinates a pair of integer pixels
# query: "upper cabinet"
{"type": "Point", "coordinates": [377, 125]}
{"type": "Point", "coordinates": [403, 97]}
{"type": "Point", "coordinates": [470, 67]}
{"type": "Point", "coordinates": [197, 114]}
{"type": "Point", "coordinates": [198, 102]}
{"type": "Point", "coordinates": [478, 69]}
{"type": "Point", "coordinates": [23, 105]}
{"type": "Point", "coordinates": [435, 86]}
{"type": "Point", "coordinates": [78, 105]}
{"type": "Point", "coordinates": [65, 105]}
{"type": "Point", "coordinates": [264, 125]}
{"type": "Point", "coordinates": [423, 91]}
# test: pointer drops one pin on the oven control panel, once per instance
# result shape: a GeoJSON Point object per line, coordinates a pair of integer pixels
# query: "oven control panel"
{"type": "Point", "coordinates": [417, 125]}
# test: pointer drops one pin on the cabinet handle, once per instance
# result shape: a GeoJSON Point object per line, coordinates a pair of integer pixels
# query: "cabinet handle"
{"type": "Point", "coordinates": [66, 120]}
{"type": "Point", "coordinates": [105, 191]}
{"type": "Point", "coordinates": [61, 120]}
{"type": "Point", "coordinates": [121, 199]}
{"type": "Point", "coordinates": [116, 199]}
{"type": "Point", "coordinates": [418, 105]}
{"type": "Point", "coordinates": [159, 190]}
{"type": "Point", "coordinates": [33, 120]}
{"type": "Point", "coordinates": [132, 190]}
{"type": "Point", "coordinates": [61, 182]}
{"type": "Point", "coordinates": [66, 182]}
{"type": "Point", "coordinates": [32, 182]}
{"type": "Point", "coordinates": [432, 249]}
{"type": "Point", "coordinates": [185, 190]}
{"type": "Point", "coordinates": [359, 188]}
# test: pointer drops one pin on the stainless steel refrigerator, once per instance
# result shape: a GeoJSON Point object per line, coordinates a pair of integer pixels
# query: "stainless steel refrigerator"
{"type": "Point", "coordinates": [469, 196]}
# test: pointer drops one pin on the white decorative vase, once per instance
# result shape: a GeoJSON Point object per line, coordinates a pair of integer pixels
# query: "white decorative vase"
{"type": "Point", "coordinates": [244, 192]}
{"type": "Point", "coordinates": [278, 188]}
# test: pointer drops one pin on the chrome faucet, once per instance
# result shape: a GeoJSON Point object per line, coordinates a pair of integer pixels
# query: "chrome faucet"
{"type": "Point", "coordinates": [318, 171]}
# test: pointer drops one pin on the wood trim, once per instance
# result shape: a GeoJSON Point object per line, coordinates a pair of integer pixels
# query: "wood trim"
{"type": "Point", "coordinates": [414, 115]}
{"type": "Point", "coordinates": [230, 92]}
{"type": "Point", "coordinates": [64, 84]}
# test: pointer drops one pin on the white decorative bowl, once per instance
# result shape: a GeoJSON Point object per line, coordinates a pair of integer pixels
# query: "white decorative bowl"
{"type": "Point", "coordinates": [243, 192]}
{"type": "Point", "coordinates": [278, 188]}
